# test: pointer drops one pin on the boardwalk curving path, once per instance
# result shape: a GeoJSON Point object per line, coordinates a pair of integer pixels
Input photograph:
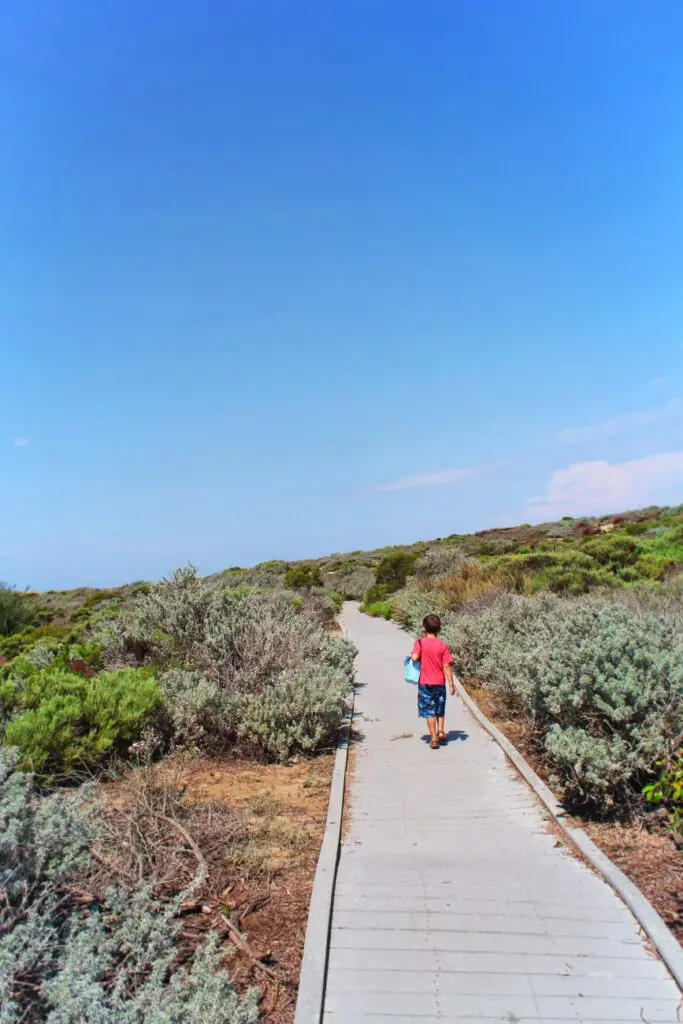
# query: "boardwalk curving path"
{"type": "Point", "coordinates": [453, 900]}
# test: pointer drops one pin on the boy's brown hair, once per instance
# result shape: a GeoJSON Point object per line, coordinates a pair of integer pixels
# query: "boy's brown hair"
{"type": "Point", "coordinates": [432, 624]}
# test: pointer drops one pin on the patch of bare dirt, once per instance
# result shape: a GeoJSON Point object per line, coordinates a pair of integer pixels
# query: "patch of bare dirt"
{"type": "Point", "coordinates": [649, 859]}
{"type": "Point", "coordinates": [249, 833]}
{"type": "Point", "coordinates": [642, 849]}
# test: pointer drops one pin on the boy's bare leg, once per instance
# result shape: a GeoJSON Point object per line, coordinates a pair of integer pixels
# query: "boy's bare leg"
{"type": "Point", "coordinates": [441, 726]}
{"type": "Point", "coordinates": [431, 725]}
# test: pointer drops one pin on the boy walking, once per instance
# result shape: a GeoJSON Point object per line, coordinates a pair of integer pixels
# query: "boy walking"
{"type": "Point", "coordinates": [436, 669]}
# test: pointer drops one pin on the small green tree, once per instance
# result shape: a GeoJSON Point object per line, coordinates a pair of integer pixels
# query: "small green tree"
{"type": "Point", "coordinates": [15, 610]}
{"type": "Point", "coordinates": [303, 577]}
{"type": "Point", "coordinates": [394, 569]}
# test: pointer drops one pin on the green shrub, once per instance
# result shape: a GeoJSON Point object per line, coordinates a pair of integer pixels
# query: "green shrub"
{"type": "Point", "coordinates": [16, 611]}
{"type": "Point", "coordinates": [60, 721]}
{"type": "Point", "coordinates": [668, 790]}
{"type": "Point", "coordinates": [303, 577]}
{"type": "Point", "coordinates": [300, 711]}
{"type": "Point", "coordinates": [614, 551]}
{"type": "Point", "coordinates": [20, 643]}
{"type": "Point", "coordinates": [637, 529]}
{"type": "Point", "coordinates": [111, 599]}
{"type": "Point", "coordinates": [378, 610]}
{"type": "Point", "coordinates": [394, 569]}
{"type": "Point", "coordinates": [378, 592]}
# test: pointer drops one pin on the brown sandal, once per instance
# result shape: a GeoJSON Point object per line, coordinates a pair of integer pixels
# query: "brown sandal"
{"type": "Point", "coordinates": [443, 739]}
{"type": "Point", "coordinates": [435, 744]}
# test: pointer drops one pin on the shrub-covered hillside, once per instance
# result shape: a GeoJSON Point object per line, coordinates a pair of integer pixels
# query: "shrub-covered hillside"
{"type": "Point", "coordinates": [94, 895]}
{"type": "Point", "coordinates": [576, 628]}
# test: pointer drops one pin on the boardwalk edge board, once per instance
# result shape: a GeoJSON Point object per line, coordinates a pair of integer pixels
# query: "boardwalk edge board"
{"type": "Point", "coordinates": [652, 924]}
{"type": "Point", "coordinates": [311, 994]}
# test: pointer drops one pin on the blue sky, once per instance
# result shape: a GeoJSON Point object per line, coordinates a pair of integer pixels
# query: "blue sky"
{"type": "Point", "coordinates": [282, 279]}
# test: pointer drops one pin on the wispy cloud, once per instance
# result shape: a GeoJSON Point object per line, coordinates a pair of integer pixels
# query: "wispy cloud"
{"type": "Point", "coordinates": [673, 410]}
{"type": "Point", "coordinates": [593, 488]}
{"type": "Point", "coordinates": [446, 476]}
{"type": "Point", "coordinates": [20, 442]}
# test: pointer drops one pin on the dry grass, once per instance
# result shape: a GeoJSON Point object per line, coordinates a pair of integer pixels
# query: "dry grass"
{"type": "Point", "coordinates": [473, 581]}
{"type": "Point", "coordinates": [244, 838]}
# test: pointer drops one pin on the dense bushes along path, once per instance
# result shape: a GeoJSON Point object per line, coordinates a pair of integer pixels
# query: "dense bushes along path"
{"type": "Point", "coordinates": [452, 899]}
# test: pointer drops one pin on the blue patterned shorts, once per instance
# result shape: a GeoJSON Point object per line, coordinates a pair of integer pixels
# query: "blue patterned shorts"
{"type": "Point", "coordinates": [431, 701]}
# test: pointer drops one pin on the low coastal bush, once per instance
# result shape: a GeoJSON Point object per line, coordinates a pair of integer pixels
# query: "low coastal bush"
{"type": "Point", "coordinates": [394, 569]}
{"type": "Point", "coordinates": [351, 580]}
{"type": "Point", "coordinates": [601, 682]}
{"type": "Point", "coordinates": [667, 790]}
{"type": "Point", "coordinates": [60, 721]}
{"type": "Point", "coordinates": [220, 652]}
{"type": "Point", "coordinates": [378, 609]}
{"type": "Point", "coordinates": [114, 962]}
{"type": "Point", "coordinates": [300, 711]}
{"type": "Point", "coordinates": [16, 612]}
{"type": "Point", "coordinates": [303, 577]}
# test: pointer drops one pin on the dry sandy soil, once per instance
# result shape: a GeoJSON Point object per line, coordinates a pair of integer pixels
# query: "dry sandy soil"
{"type": "Point", "coordinates": [257, 830]}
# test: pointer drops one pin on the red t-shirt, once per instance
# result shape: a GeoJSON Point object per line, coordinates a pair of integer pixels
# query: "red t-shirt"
{"type": "Point", "coordinates": [433, 656]}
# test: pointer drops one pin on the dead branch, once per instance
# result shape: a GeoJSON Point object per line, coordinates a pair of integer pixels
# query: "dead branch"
{"type": "Point", "coordinates": [243, 945]}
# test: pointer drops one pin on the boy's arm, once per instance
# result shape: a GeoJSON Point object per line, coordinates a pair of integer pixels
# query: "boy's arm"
{"type": "Point", "coordinates": [448, 671]}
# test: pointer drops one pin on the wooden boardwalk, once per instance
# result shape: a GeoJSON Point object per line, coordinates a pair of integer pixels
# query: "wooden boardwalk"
{"type": "Point", "coordinates": [453, 900]}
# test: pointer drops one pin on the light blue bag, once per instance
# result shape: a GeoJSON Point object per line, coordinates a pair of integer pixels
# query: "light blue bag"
{"type": "Point", "coordinates": [411, 670]}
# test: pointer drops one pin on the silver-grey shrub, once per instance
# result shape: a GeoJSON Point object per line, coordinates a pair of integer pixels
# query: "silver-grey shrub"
{"type": "Point", "coordinates": [440, 560]}
{"type": "Point", "coordinates": [113, 964]}
{"type": "Point", "coordinates": [192, 706]}
{"type": "Point", "coordinates": [351, 581]}
{"type": "Point", "coordinates": [299, 712]}
{"type": "Point", "coordinates": [410, 606]}
{"type": "Point", "coordinates": [602, 682]}
{"type": "Point", "coordinates": [236, 643]}
{"type": "Point", "coordinates": [118, 968]}
{"type": "Point", "coordinates": [42, 842]}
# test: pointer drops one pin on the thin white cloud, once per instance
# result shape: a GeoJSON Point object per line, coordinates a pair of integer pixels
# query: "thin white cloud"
{"type": "Point", "coordinates": [595, 488]}
{"type": "Point", "coordinates": [446, 476]}
{"type": "Point", "coordinates": [20, 442]}
{"type": "Point", "coordinates": [673, 410]}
